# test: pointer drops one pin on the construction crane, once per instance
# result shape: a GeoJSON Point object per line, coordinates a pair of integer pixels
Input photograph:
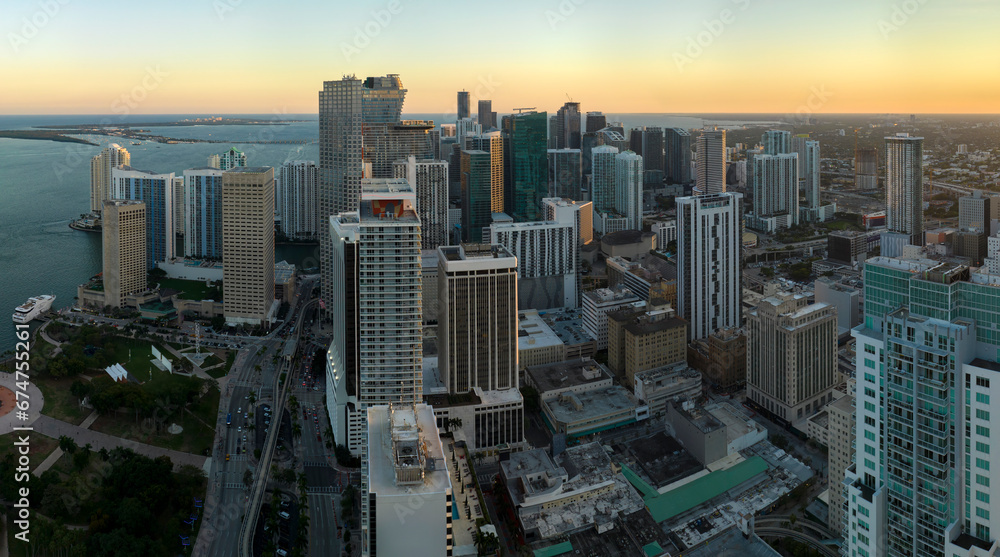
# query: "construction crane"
{"type": "Point", "coordinates": [520, 110]}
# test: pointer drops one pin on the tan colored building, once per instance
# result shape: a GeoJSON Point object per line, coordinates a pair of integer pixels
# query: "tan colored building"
{"type": "Point", "coordinates": [638, 341]}
{"type": "Point", "coordinates": [841, 453]}
{"type": "Point", "coordinates": [124, 246]}
{"type": "Point", "coordinates": [721, 358]}
{"type": "Point", "coordinates": [791, 356]}
{"type": "Point", "coordinates": [248, 244]}
{"type": "Point", "coordinates": [100, 173]}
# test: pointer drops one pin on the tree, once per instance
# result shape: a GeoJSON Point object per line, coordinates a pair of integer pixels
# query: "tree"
{"type": "Point", "coordinates": [67, 444]}
{"type": "Point", "coordinates": [252, 397]}
{"type": "Point", "coordinates": [218, 323]}
{"type": "Point", "coordinates": [247, 478]}
{"type": "Point", "coordinates": [296, 430]}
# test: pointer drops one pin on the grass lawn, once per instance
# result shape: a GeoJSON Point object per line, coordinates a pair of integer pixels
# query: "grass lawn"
{"type": "Point", "coordinates": [198, 423]}
{"type": "Point", "coordinates": [59, 403]}
{"type": "Point", "coordinates": [840, 225]}
{"type": "Point", "coordinates": [39, 448]}
{"type": "Point", "coordinates": [135, 354]}
{"type": "Point", "coordinates": [189, 289]}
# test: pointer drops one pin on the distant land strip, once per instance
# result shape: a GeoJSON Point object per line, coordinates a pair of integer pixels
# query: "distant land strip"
{"type": "Point", "coordinates": [220, 122]}
{"type": "Point", "coordinates": [45, 135]}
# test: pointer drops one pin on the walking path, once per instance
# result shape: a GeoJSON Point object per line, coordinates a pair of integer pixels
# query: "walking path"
{"type": "Point", "coordinates": [57, 454]}
{"type": "Point", "coordinates": [51, 427]}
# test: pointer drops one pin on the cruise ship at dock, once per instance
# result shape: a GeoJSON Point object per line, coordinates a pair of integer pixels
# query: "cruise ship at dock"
{"type": "Point", "coordinates": [34, 307]}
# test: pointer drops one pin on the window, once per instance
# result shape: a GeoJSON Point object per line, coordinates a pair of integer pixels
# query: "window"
{"type": "Point", "coordinates": [981, 430]}
{"type": "Point", "coordinates": [982, 382]}
{"type": "Point", "coordinates": [982, 397]}
{"type": "Point", "coordinates": [982, 513]}
{"type": "Point", "coordinates": [982, 447]}
{"type": "Point", "coordinates": [982, 480]}
{"type": "Point", "coordinates": [982, 414]}
{"type": "Point", "coordinates": [984, 497]}
{"type": "Point", "coordinates": [982, 463]}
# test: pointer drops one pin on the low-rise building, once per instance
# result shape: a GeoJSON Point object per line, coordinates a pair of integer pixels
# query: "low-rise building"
{"type": "Point", "coordinates": [284, 281]}
{"type": "Point", "coordinates": [567, 324]}
{"type": "Point", "coordinates": [581, 488]}
{"type": "Point", "coordinates": [721, 357]}
{"type": "Point", "coordinates": [631, 244]}
{"type": "Point", "coordinates": [570, 376]}
{"type": "Point", "coordinates": [660, 386]}
{"type": "Point", "coordinates": [639, 340]}
{"type": "Point", "coordinates": [698, 431]}
{"type": "Point", "coordinates": [537, 343]}
{"type": "Point", "coordinates": [596, 306]}
{"type": "Point", "coordinates": [666, 232]}
{"type": "Point", "coordinates": [576, 414]}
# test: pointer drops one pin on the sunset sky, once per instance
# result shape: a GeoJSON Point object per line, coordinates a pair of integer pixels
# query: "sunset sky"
{"type": "Point", "coordinates": [255, 56]}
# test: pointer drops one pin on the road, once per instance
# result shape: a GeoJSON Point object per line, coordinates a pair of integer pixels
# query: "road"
{"type": "Point", "coordinates": [226, 501]}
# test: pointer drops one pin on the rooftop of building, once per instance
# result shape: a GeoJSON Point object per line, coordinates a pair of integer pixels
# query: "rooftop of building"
{"type": "Point", "coordinates": [249, 169]}
{"type": "Point", "coordinates": [668, 374]}
{"type": "Point", "coordinates": [585, 467]}
{"type": "Point", "coordinates": [698, 416]}
{"type": "Point", "coordinates": [654, 322]}
{"type": "Point", "coordinates": [127, 168]}
{"type": "Point", "coordinates": [405, 455]}
{"type": "Point", "coordinates": [568, 326]}
{"type": "Point", "coordinates": [562, 375]}
{"type": "Point", "coordinates": [465, 252]}
{"type": "Point", "coordinates": [736, 420]}
{"type": "Point", "coordinates": [660, 459]}
{"type": "Point", "coordinates": [732, 542]}
{"type": "Point", "coordinates": [574, 407]}
{"type": "Point", "coordinates": [697, 492]}
{"type": "Point", "coordinates": [619, 294]}
{"type": "Point", "coordinates": [533, 332]}
{"type": "Point", "coordinates": [624, 237]}
{"type": "Point", "coordinates": [283, 272]}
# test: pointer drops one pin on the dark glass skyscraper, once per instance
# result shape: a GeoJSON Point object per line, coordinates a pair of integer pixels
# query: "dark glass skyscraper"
{"type": "Point", "coordinates": [678, 155]}
{"type": "Point", "coordinates": [476, 195]}
{"type": "Point", "coordinates": [568, 126]}
{"type": "Point", "coordinates": [526, 165]}
{"type": "Point", "coordinates": [596, 121]}
{"type": "Point", "coordinates": [463, 104]}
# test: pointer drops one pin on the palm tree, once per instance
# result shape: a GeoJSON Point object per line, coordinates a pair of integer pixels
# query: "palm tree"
{"type": "Point", "coordinates": [293, 404]}
{"type": "Point", "coordinates": [253, 396]}
{"type": "Point", "coordinates": [296, 430]}
{"type": "Point", "coordinates": [250, 426]}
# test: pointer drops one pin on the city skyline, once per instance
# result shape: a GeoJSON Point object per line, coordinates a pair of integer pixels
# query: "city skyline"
{"type": "Point", "coordinates": [863, 58]}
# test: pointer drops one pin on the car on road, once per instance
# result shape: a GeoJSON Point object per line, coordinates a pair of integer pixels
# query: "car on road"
{"type": "Point", "coordinates": [227, 457]}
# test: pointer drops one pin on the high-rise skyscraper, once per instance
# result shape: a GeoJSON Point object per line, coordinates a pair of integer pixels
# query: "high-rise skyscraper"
{"type": "Point", "coordinates": [596, 121]}
{"type": "Point", "coordinates": [866, 168]}
{"type": "Point", "coordinates": [476, 195]}
{"type": "Point", "coordinates": [123, 233]}
{"type": "Point", "coordinates": [478, 320]}
{"type": "Point", "coordinates": [157, 191]}
{"type": "Point", "coordinates": [429, 178]}
{"type": "Point", "coordinates": [648, 143]}
{"type": "Point", "coordinates": [791, 356]}
{"type": "Point", "coordinates": [407, 499]}
{"type": "Point", "coordinates": [548, 257]}
{"type": "Point", "coordinates": [809, 171]}
{"type": "Point", "coordinates": [775, 180]}
{"type": "Point", "coordinates": [248, 245]}
{"type": "Point", "coordinates": [974, 211]}
{"type": "Point", "coordinates": [568, 126]}
{"type": "Point", "coordinates": [565, 177]}
{"type": "Point", "coordinates": [230, 159]}
{"type": "Point", "coordinates": [904, 187]}
{"type": "Point", "coordinates": [203, 213]}
{"type": "Point", "coordinates": [628, 188]}
{"type": "Point", "coordinates": [492, 143]}
{"type": "Point", "coordinates": [359, 121]}
{"type": "Point", "coordinates": [180, 205]}
{"type": "Point", "coordinates": [486, 115]}
{"type": "Point", "coordinates": [677, 160]}
{"type": "Point", "coordinates": [710, 162]}
{"type": "Point", "coordinates": [603, 178]}
{"type": "Point", "coordinates": [376, 356]}
{"type": "Point", "coordinates": [924, 481]}
{"type": "Point", "coordinates": [101, 166]}
{"type": "Point", "coordinates": [709, 240]}
{"type": "Point", "coordinates": [296, 199]}
{"type": "Point", "coordinates": [776, 142]}
{"type": "Point", "coordinates": [463, 104]}
{"type": "Point", "coordinates": [526, 165]}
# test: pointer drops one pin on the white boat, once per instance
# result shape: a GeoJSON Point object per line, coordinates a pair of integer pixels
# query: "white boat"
{"type": "Point", "coordinates": [34, 307]}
